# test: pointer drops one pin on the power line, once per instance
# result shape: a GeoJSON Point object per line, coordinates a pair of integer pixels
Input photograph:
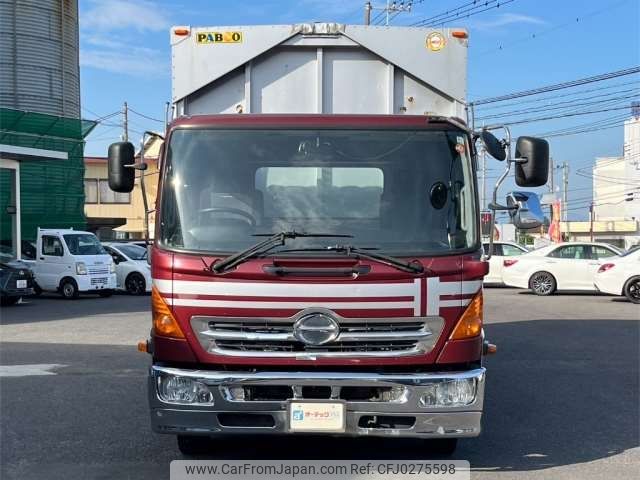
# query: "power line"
{"type": "Point", "coordinates": [561, 95]}
{"type": "Point", "coordinates": [556, 27]}
{"type": "Point", "coordinates": [558, 86]}
{"type": "Point", "coordinates": [564, 115]}
{"type": "Point", "coordinates": [474, 8]}
{"type": "Point", "coordinates": [561, 106]}
{"type": "Point", "coordinates": [145, 116]}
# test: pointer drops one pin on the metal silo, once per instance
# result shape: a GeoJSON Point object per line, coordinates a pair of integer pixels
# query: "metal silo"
{"type": "Point", "coordinates": [39, 69]}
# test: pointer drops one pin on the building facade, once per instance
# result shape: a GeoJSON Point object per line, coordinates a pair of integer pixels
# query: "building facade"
{"type": "Point", "coordinates": [120, 216]}
{"type": "Point", "coordinates": [41, 134]}
{"type": "Point", "coordinates": [615, 214]}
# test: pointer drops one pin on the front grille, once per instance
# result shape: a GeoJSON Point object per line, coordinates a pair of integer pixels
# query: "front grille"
{"type": "Point", "coordinates": [299, 347]}
{"type": "Point", "coordinates": [274, 337]}
{"type": "Point", "coordinates": [98, 270]}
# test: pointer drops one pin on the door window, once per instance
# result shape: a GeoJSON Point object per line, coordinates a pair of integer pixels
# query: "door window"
{"type": "Point", "coordinates": [51, 246]}
{"type": "Point", "coordinates": [117, 258]}
{"type": "Point", "coordinates": [497, 249]}
{"type": "Point", "coordinates": [511, 251]}
{"type": "Point", "coordinates": [602, 252]}
{"type": "Point", "coordinates": [576, 252]}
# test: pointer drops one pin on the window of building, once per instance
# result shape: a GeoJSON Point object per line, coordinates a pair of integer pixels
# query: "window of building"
{"type": "Point", "coordinates": [91, 190]}
{"type": "Point", "coordinates": [109, 196]}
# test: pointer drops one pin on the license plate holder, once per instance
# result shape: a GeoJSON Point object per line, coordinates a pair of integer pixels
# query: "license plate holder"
{"type": "Point", "coordinates": [317, 416]}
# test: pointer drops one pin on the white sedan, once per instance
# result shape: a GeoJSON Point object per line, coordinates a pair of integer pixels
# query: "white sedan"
{"type": "Point", "coordinates": [621, 276]}
{"type": "Point", "coordinates": [565, 266]}
{"type": "Point", "coordinates": [502, 251]}
{"type": "Point", "coordinates": [133, 272]}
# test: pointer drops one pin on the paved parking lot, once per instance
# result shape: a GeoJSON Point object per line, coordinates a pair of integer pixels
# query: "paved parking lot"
{"type": "Point", "coordinates": [562, 394]}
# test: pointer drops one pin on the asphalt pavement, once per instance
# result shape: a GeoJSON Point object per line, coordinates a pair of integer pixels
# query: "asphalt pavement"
{"type": "Point", "coordinates": [562, 396]}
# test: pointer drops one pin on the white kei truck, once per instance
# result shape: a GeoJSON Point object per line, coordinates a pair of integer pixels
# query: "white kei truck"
{"type": "Point", "coordinates": [71, 262]}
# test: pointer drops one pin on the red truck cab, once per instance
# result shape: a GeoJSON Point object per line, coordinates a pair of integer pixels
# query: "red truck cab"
{"type": "Point", "coordinates": [317, 322]}
{"type": "Point", "coordinates": [317, 265]}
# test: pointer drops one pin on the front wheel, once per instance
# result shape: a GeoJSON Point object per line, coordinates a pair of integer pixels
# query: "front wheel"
{"type": "Point", "coordinates": [632, 290]}
{"type": "Point", "coordinates": [69, 289]}
{"type": "Point", "coordinates": [135, 284]}
{"type": "Point", "coordinates": [443, 446]}
{"type": "Point", "coordinates": [542, 283]}
{"type": "Point", "coordinates": [193, 445]}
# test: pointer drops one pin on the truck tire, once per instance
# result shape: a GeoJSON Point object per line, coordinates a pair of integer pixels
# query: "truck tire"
{"type": "Point", "coordinates": [69, 289]}
{"type": "Point", "coordinates": [443, 446]}
{"type": "Point", "coordinates": [542, 283]}
{"type": "Point", "coordinates": [135, 284]}
{"type": "Point", "coordinates": [193, 444]}
{"type": "Point", "coordinates": [632, 290]}
{"type": "Point", "coordinates": [37, 291]}
{"type": "Point", "coordinates": [8, 301]}
{"type": "Point", "coordinates": [105, 293]}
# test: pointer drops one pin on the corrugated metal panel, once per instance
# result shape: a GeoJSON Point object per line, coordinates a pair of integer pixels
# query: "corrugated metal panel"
{"type": "Point", "coordinates": [319, 68]}
{"type": "Point", "coordinates": [39, 69]}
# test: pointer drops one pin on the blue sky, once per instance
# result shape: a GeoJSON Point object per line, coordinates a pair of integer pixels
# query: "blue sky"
{"type": "Point", "coordinates": [125, 55]}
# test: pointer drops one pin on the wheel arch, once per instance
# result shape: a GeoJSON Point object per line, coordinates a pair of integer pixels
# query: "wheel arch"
{"type": "Point", "coordinates": [627, 282]}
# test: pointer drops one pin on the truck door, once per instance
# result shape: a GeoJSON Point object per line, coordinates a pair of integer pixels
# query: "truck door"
{"type": "Point", "coordinates": [50, 265]}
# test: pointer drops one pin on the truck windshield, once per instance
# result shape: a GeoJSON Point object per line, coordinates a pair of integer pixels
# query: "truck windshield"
{"type": "Point", "coordinates": [83, 244]}
{"type": "Point", "coordinates": [401, 192]}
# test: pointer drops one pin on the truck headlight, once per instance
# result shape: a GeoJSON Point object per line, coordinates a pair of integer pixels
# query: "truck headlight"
{"type": "Point", "coordinates": [81, 268]}
{"type": "Point", "coordinates": [112, 267]}
{"type": "Point", "coordinates": [183, 390]}
{"type": "Point", "coordinates": [452, 393]}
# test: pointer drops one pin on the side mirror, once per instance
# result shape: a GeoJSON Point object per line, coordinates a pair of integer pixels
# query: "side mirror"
{"type": "Point", "coordinates": [121, 173]}
{"type": "Point", "coordinates": [533, 168]}
{"type": "Point", "coordinates": [526, 211]}
{"type": "Point", "coordinates": [492, 145]}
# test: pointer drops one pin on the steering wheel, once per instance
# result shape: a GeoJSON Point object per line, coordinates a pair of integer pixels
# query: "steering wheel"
{"type": "Point", "coordinates": [236, 211]}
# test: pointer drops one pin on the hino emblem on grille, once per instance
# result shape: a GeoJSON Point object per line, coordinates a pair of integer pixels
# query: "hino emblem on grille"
{"type": "Point", "coordinates": [316, 329]}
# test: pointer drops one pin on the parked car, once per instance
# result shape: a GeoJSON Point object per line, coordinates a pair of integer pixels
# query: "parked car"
{"type": "Point", "coordinates": [71, 262]}
{"type": "Point", "coordinates": [502, 251]}
{"type": "Point", "coordinates": [133, 272]}
{"type": "Point", "coordinates": [565, 266]}
{"type": "Point", "coordinates": [621, 276]}
{"type": "Point", "coordinates": [16, 279]}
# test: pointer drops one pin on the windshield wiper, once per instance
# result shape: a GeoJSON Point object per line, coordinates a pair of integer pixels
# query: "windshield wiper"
{"type": "Point", "coordinates": [274, 240]}
{"type": "Point", "coordinates": [351, 251]}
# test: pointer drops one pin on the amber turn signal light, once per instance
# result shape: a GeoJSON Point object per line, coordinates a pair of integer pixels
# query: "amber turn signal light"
{"type": "Point", "coordinates": [459, 34]}
{"type": "Point", "coordinates": [470, 323]}
{"type": "Point", "coordinates": [181, 32]}
{"type": "Point", "coordinates": [163, 321]}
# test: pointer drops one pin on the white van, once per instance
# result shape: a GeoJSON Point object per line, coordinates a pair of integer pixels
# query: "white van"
{"type": "Point", "coordinates": [71, 262]}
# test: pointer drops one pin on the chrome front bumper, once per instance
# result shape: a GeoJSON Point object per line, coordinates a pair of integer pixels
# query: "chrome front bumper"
{"type": "Point", "coordinates": [417, 421]}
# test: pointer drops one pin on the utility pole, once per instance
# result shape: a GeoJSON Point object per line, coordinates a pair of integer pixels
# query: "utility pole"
{"type": "Point", "coordinates": [125, 122]}
{"type": "Point", "coordinates": [552, 187]}
{"type": "Point", "coordinates": [565, 195]}
{"type": "Point", "coordinates": [591, 220]}
{"type": "Point", "coordinates": [390, 7]}
{"type": "Point", "coordinates": [483, 155]}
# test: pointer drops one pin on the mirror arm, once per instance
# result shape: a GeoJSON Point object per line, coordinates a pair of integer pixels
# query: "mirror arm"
{"type": "Point", "coordinates": [498, 207]}
{"type": "Point", "coordinates": [494, 202]}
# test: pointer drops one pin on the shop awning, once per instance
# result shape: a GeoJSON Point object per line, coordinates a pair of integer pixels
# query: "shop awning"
{"type": "Point", "coordinates": [25, 135]}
